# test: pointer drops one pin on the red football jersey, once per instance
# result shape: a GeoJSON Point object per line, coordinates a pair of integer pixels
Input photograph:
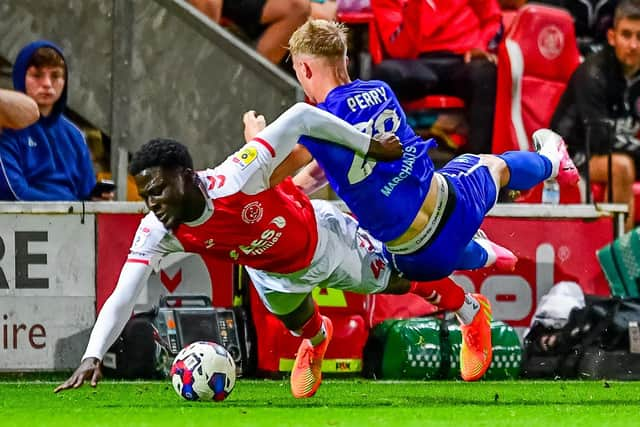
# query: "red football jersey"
{"type": "Point", "coordinates": [274, 230]}
{"type": "Point", "coordinates": [271, 229]}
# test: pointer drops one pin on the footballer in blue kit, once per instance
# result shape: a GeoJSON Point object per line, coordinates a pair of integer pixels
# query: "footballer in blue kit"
{"type": "Point", "coordinates": [387, 196]}
{"type": "Point", "coordinates": [428, 220]}
{"type": "Point", "coordinates": [384, 196]}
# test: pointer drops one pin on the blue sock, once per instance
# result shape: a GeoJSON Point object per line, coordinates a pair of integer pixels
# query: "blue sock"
{"type": "Point", "coordinates": [526, 169]}
{"type": "Point", "coordinates": [474, 256]}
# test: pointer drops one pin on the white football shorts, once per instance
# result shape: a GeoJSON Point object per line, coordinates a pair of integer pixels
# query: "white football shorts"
{"type": "Point", "coordinates": [346, 258]}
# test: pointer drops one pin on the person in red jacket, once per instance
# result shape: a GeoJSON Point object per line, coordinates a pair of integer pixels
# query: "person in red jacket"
{"type": "Point", "coordinates": [445, 47]}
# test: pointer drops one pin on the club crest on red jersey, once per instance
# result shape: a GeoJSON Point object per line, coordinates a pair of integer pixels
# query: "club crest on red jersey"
{"type": "Point", "coordinates": [252, 213]}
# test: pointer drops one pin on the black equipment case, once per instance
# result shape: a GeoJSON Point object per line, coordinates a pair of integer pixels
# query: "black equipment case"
{"type": "Point", "coordinates": [150, 340]}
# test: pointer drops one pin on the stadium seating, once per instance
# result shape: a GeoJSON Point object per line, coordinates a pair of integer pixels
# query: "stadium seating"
{"type": "Point", "coordinates": [536, 60]}
{"type": "Point", "coordinates": [433, 102]}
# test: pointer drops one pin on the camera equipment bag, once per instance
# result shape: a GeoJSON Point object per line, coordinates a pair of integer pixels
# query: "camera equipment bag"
{"type": "Point", "coordinates": [150, 340]}
{"type": "Point", "coordinates": [601, 340]}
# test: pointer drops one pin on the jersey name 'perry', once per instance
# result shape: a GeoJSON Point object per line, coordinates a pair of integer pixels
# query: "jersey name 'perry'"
{"type": "Point", "coordinates": [367, 99]}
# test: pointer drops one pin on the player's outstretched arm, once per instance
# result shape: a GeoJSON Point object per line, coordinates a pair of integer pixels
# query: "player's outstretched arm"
{"type": "Point", "coordinates": [89, 369]}
{"type": "Point", "coordinates": [17, 110]}
{"type": "Point", "coordinates": [114, 315]}
{"type": "Point", "coordinates": [304, 119]}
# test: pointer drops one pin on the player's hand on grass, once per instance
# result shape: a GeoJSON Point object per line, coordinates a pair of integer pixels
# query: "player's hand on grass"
{"type": "Point", "coordinates": [252, 124]}
{"type": "Point", "coordinates": [385, 147]}
{"type": "Point", "coordinates": [89, 369]}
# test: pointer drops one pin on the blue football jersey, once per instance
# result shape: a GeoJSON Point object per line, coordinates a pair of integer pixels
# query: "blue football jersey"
{"type": "Point", "coordinates": [384, 196]}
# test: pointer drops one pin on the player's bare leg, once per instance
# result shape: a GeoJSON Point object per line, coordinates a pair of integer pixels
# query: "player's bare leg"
{"type": "Point", "coordinates": [282, 17]}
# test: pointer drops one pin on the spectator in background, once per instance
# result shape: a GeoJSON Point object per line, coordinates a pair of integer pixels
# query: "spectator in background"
{"type": "Point", "coordinates": [17, 110]}
{"type": "Point", "coordinates": [443, 47]}
{"type": "Point", "coordinates": [48, 160]}
{"type": "Point", "coordinates": [271, 22]}
{"type": "Point", "coordinates": [606, 86]}
{"type": "Point", "coordinates": [592, 19]}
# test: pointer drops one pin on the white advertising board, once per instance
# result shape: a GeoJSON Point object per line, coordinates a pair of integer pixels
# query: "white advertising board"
{"type": "Point", "coordinates": [179, 274]}
{"type": "Point", "coordinates": [47, 290]}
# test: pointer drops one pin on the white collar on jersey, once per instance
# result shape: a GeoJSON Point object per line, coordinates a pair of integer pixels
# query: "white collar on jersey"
{"type": "Point", "coordinates": [208, 209]}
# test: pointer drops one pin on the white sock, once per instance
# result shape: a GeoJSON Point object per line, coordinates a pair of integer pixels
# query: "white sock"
{"type": "Point", "coordinates": [319, 337]}
{"type": "Point", "coordinates": [549, 148]}
{"type": "Point", "coordinates": [491, 254]}
{"type": "Point", "coordinates": [467, 312]}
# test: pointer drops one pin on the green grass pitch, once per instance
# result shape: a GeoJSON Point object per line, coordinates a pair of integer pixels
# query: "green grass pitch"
{"type": "Point", "coordinates": [339, 402]}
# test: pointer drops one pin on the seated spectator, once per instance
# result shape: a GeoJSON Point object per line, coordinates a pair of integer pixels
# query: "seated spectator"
{"type": "Point", "coordinates": [48, 160]}
{"type": "Point", "coordinates": [443, 47]}
{"type": "Point", "coordinates": [17, 110]}
{"type": "Point", "coordinates": [592, 20]}
{"type": "Point", "coordinates": [271, 22]}
{"type": "Point", "coordinates": [606, 87]}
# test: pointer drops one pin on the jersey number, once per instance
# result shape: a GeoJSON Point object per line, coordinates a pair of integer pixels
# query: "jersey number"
{"type": "Point", "coordinates": [361, 167]}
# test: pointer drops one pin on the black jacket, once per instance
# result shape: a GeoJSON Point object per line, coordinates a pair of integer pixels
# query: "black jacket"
{"type": "Point", "coordinates": [598, 91]}
{"type": "Point", "coordinates": [592, 19]}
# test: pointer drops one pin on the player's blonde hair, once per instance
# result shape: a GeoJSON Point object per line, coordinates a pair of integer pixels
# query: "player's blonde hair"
{"type": "Point", "coordinates": [319, 37]}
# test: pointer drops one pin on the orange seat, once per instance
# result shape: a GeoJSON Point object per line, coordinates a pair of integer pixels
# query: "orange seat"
{"type": "Point", "coordinates": [536, 60]}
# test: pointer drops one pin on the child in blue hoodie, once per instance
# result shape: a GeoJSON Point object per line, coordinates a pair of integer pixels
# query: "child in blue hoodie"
{"type": "Point", "coordinates": [48, 160]}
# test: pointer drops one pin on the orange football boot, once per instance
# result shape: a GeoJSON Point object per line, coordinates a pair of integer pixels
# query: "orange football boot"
{"type": "Point", "coordinates": [476, 351]}
{"type": "Point", "coordinates": [306, 375]}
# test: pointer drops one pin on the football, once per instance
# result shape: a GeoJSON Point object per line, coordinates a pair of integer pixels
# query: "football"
{"type": "Point", "coordinates": [203, 370]}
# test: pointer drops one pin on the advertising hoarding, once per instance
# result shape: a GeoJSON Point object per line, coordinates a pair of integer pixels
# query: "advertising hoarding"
{"type": "Point", "coordinates": [47, 290]}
